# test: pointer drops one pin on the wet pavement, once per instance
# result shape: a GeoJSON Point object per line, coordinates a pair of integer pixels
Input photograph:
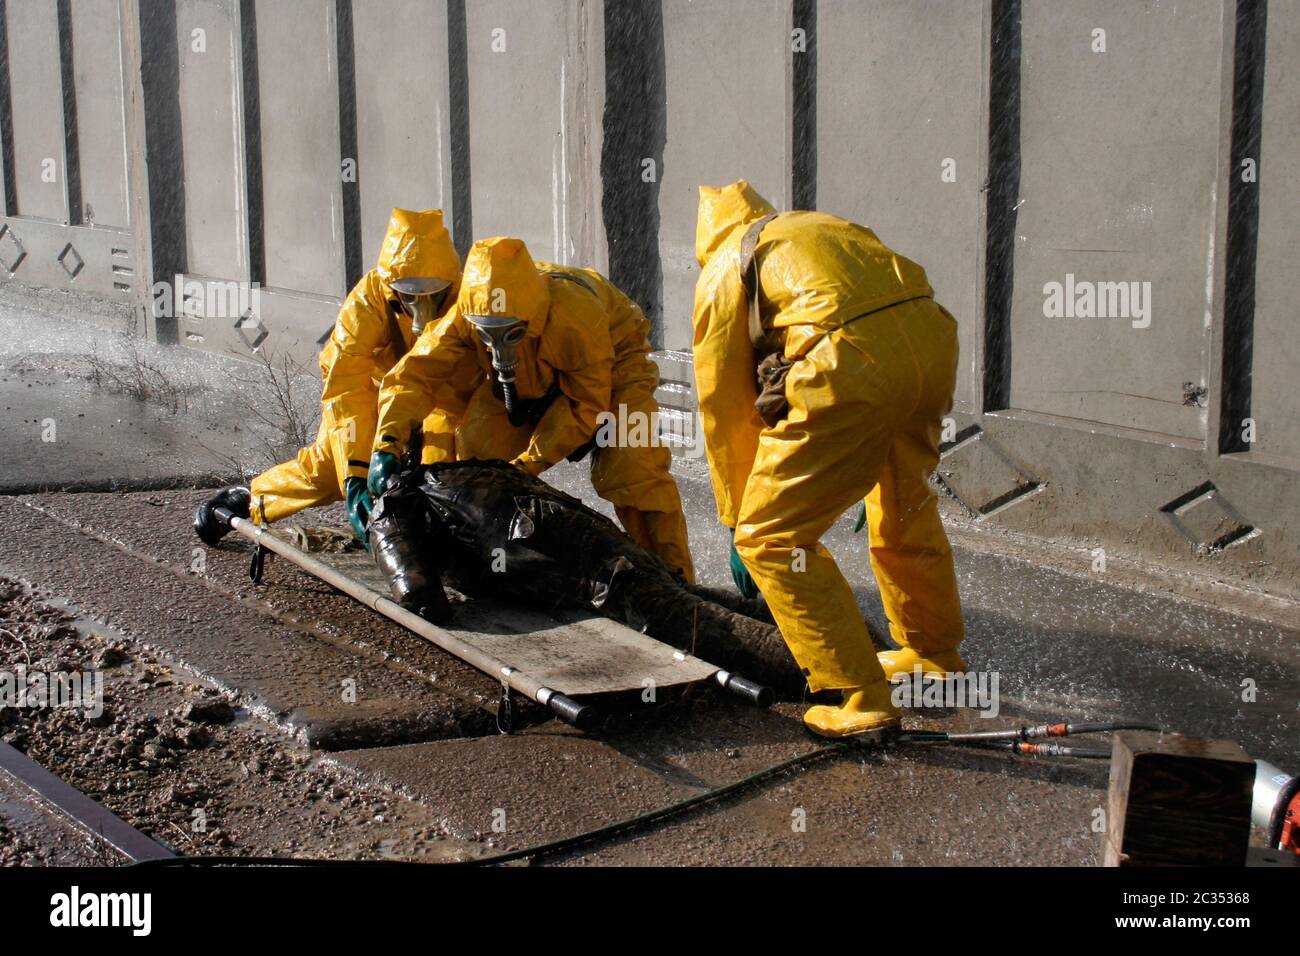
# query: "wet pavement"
{"type": "Point", "coordinates": [100, 441]}
{"type": "Point", "coordinates": [867, 806]}
{"type": "Point", "coordinates": [86, 406]}
{"type": "Point", "coordinates": [33, 834]}
{"type": "Point", "coordinates": [1063, 646]}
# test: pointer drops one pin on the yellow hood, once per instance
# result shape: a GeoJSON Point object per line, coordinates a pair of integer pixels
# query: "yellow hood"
{"type": "Point", "coordinates": [417, 245]}
{"type": "Point", "coordinates": [501, 279]}
{"type": "Point", "coordinates": [722, 211]}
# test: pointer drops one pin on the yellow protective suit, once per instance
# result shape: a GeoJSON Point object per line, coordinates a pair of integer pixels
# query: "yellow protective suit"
{"type": "Point", "coordinates": [874, 368]}
{"type": "Point", "coordinates": [586, 337]}
{"type": "Point", "coordinates": [361, 350]}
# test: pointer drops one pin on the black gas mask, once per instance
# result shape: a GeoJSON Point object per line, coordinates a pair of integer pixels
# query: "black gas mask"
{"type": "Point", "coordinates": [421, 299]}
{"type": "Point", "coordinates": [502, 334]}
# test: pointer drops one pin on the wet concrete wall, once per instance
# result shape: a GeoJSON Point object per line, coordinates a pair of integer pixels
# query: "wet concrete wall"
{"type": "Point", "coordinates": [1275, 358]}
{"type": "Point", "coordinates": [921, 191]}
{"type": "Point", "coordinates": [1100, 190]}
{"type": "Point", "coordinates": [726, 115]}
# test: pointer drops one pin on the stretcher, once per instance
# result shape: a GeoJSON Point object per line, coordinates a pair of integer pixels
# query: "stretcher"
{"type": "Point", "coordinates": [554, 658]}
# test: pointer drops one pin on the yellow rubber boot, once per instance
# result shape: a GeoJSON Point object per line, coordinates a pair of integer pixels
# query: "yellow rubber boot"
{"type": "Point", "coordinates": [900, 664]}
{"type": "Point", "coordinates": [864, 710]}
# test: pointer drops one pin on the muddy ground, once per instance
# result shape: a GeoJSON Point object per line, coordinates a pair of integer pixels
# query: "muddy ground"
{"type": "Point", "coordinates": [173, 757]}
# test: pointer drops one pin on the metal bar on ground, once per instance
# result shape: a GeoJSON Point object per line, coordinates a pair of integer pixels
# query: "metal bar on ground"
{"type": "Point", "coordinates": [96, 819]}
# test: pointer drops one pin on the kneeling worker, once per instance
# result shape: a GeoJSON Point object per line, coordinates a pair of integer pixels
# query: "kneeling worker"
{"type": "Point", "coordinates": [522, 369]}
{"type": "Point", "coordinates": [824, 368]}
{"type": "Point", "coordinates": [413, 284]}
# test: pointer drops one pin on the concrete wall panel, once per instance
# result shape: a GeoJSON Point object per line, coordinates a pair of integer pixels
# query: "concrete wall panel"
{"type": "Point", "coordinates": [900, 94]}
{"type": "Point", "coordinates": [535, 110]}
{"type": "Point", "coordinates": [1119, 183]}
{"type": "Point", "coordinates": [279, 322]}
{"type": "Point", "coordinates": [1097, 434]}
{"type": "Point", "coordinates": [1102, 492]}
{"type": "Point", "coordinates": [52, 255]}
{"type": "Point", "coordinates": [37, 95]}
{"type": "Point", "coordinates": [402, 113]}
{"type": "Point", "coordinates": [207, 38]}
{"type": "Point", "coordinates": [101, 122]}
{"type": "Point", "coordinates": [1275, 398]}
{"type": "Point", "coordinates": [297, 50]}
{"type": "Point", "coordinates": [728, 83]}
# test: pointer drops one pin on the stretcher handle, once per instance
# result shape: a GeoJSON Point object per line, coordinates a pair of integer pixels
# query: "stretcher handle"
{"type": "Point", "coordinates": [745, 688]}
{"type": "Point", "coordinates": [568, 709]}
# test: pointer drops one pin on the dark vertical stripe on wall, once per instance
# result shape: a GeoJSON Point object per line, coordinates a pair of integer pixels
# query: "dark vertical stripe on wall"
{"type": "Point", "coordinates": [1003, 190]}
{"type": "Point", "coordinates": [348, 142]}
{"type": "Point", "coordinates": [632, 155]}
{"type": "Point", "coordinates": [71, 142]}
{"type": "Point", "coordinates": [458, 105]}
{"type": "Point", "coordinates": [1243, 224]}
{"type": "Point", "coordinates": [252, 109]}
{"type": "Point", "coordinates": [803, 132]}
{"type": "Point", "coordinates": [10, 191]}
{"type": "Point", "coordinates": [164, 158]}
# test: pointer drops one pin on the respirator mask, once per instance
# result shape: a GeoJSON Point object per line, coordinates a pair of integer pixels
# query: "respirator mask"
{"type": "Point", "coordinates": [502, 334]}
{"type": "Point", "coordinates": [421, 299]}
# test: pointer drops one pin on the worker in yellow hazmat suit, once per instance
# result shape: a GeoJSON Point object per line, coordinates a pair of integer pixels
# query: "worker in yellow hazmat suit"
{"type": "Point", "coordinates": [413, 284]}
{"type": "Point", "coordinates": [537, 363]}
{"type": "Point", "coordinates": [857, 364]}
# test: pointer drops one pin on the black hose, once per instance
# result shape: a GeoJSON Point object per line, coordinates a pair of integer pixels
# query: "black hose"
{"type": "Point", "coordinates": [1004, 740]}
{"type": "Point", "coordinates": [510, 398]}
{"type": "Point", "coordinates": [1094, 727]}
{"type": "Point", "coordinates": [526, 411]}
{"type": "Point", "coordinates": [654, 816]}
{"type": "Point", "coordinates": [549, 848]}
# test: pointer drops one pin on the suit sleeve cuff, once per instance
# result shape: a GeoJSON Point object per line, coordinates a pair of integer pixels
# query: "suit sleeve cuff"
{"type": "Point", "coordinates": [390, 444]}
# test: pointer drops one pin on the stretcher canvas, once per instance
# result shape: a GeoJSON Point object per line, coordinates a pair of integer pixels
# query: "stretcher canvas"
{"type": "Point", "coordinates": [571, 652]}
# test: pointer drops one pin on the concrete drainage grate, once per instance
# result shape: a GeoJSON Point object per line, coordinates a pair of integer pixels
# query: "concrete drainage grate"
{"type": "Point", "coordinates": [12, 252]}
{"type": "Point", "coordinates": [1206, 519]}
{"type": "Point", "coordinates": [981, 476]}
{"type": "Point", "coordinates": [71, 261]}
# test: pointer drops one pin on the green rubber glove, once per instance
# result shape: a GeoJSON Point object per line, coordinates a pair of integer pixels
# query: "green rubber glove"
{"type": "Point", "coordinates": [740, 574]}
{"type": "Point", "coordinates": [382, 466]}
{"type": "Point", "coordinates": [359, 506]}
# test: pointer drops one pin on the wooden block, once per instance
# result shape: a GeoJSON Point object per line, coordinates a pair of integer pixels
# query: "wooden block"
{"type": "Point", "coordinates": [1177, 801]}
